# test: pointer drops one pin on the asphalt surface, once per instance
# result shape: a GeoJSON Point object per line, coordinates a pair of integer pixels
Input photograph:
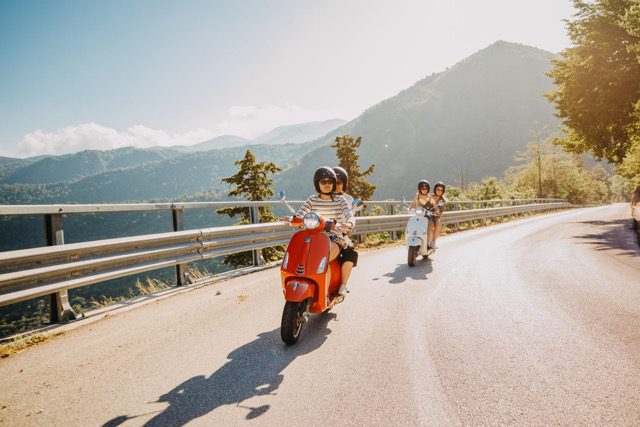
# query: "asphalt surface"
{"type": "Point", "coordinates": [531, 322]}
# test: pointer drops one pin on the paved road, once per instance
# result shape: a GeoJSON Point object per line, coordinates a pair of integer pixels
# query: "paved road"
{"type": "Point", "coordinates": [532, 322]}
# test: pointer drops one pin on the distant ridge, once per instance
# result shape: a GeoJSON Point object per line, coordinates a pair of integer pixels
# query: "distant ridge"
{"type": "Point", "coordinates": [289, 134]}
{"type": "Point", "coordinates": [295, 134]}
{"type": "Point", "coordinates": [69, 167]}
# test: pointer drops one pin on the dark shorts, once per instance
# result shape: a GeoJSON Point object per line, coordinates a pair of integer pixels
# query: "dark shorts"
{"type": "Point", "coordinates": [435, 219]}
{"type": "Point", "coordinates": [348, 254]}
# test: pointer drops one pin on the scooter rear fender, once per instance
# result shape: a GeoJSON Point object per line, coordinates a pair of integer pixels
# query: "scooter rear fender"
{"type": "Point", "coordinates": [298, 289]}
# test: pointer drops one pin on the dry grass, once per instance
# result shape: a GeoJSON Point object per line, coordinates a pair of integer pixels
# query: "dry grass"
{"type": "Point", "coordinates": [149, 286]}
{"type": "Point", "coordinates": [19, 344]}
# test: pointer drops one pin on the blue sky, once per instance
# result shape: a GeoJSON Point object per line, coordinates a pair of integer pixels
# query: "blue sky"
{"type": "Point", "coordinates": [103, 74]}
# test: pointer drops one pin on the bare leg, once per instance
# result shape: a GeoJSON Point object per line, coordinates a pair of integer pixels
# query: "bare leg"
{"type": "Point", "coordinates": [346, 268]}
{"type": "Point", "coordinates": [431, 233]}
{"type": "Point", "coordinates": [334, 252]}
{"type": "Point", "coordinates": [438, 226]}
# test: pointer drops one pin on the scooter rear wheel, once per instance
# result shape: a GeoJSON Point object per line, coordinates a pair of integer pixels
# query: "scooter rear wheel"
{"type": "Point", "coordinates": [292, 322]}
{"type": "Point", "coordinates": [412, 255]}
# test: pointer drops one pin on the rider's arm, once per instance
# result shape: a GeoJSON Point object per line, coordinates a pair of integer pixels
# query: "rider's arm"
{"type": "Point", "coordinates": [438, 208]}
{"type": "Point", "coordinates": [349, 220]}
{"type": "Point", "coordinates": [413, 204]}
{"type": "Point", "coordinates": [349, 200]}
{"type": "Point", "coordinates": [305, 208]}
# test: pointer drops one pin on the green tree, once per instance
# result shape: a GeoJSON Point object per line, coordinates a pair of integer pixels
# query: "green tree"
{"type": "Point", "coordinates": [564, 176]}
{"type": "Point", "coordinates": [621, 187]}
{"type": "Point", "coordinates": [346, 150]}
{"type": "Point", "coordinates": [538, 153]}
{"type": "Point", "coordinates": [491, 188]}
{"type": "Point", "coordinates": [630, 166]}
{"type": "Point", "coordinates": [252, 182]}
{"type": "Point", "coordinates": [454, 193]}
{"type": "Point", "coordinates": [598, 88]}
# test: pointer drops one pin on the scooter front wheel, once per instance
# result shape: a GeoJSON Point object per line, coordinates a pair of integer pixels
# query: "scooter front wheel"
{"type": "Point", "coordinates": [292, 321]}
{"type": "Point", "coordinates": [412, 255]}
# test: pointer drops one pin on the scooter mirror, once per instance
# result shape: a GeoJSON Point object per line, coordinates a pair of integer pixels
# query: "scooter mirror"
{"type": "Point", "coordinates": [356, 202]}
{"type": "Point", "coordinates": [281, 195]}
{"type": "Point", "coordinates": [441, 202]}
{"type": "Point", "coordinates": [403, 200]}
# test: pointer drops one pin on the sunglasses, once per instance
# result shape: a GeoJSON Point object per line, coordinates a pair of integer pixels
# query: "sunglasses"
{"type": "Point", "coordinates": [424, 188]}
{"type": "Point", "coordinates": [326, 181]}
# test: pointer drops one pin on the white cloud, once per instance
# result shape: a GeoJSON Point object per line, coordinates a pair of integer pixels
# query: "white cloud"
{"type": "Point", "coordinates": [93, 136]}
{"type": "Point", "coordinates": [251, 121]}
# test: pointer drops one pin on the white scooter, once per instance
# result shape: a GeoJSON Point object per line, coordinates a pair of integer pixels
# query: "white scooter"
{"type": "Point", "coordinates": [416, 234]}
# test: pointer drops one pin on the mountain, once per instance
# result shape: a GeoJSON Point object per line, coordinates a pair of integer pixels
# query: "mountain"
{"type": "Point", "coordinates": [290, 134]}
{"type": "Point", "coordinates": [475, 115]}
{"type": "Point", "coordinates": [51, 169]}
{"type": "Point", "coordinates": [48, 169]}
{"type": "Point", "coordinates": [8, 165]}
{"type": "Point", "coordinates": [295, 134]}
{"type": "Point", "coordinates": [170, 178]}
{"type": "Point", "coordinates": [224, 141]}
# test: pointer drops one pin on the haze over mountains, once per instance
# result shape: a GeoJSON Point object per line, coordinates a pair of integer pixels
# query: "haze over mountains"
{"type": "Point", "coordinates": [290, 134]}
{"type": "Point", "coordinates": [475, 115]}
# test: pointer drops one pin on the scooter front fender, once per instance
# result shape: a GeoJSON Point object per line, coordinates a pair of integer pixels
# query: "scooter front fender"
{"type": "Point", "coordinates": [414, 241]}
{"type": "Point", "coordinates": [298, 289]}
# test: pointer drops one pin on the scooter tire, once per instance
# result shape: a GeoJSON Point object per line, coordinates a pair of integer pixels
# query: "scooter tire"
{"type": "Point", "coordinates": [292, 322]}
{"type": "Point", "coordinates": [412, 255]}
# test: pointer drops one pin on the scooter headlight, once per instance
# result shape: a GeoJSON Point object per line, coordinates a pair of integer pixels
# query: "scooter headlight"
{"type": "Point", "coordinates": [420, 211]}
{"type": "Point", "coordinates": [311, 220]}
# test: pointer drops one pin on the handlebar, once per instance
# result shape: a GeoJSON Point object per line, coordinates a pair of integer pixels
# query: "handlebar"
{"type": "Point", "coordinates": [296, 221]}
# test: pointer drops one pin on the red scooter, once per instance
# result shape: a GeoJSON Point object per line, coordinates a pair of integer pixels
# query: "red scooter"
{"type": "Point", "coordinates": [310, 282]}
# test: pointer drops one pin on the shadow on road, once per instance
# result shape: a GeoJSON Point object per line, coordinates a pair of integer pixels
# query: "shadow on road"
{"type": "Point", "coordinates": [255, 369]}
{"type": "Point", "coordinates": [616, 234]}
{"type": "Point", "coordinates": [417, 272]}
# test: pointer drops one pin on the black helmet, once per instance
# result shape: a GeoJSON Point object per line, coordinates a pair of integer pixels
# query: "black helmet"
{"type": "Point", "coordinates": [424, 182]}
{"type": "Point", "coordinates": [440, 184]}
{"type": "Point", "coordinates": [324, 172]}
{"type": "Point", "coordinates": [342, 175]}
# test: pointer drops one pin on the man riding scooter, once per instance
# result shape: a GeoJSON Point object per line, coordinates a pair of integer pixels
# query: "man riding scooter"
{"type": "Point", "coordinates": [335, 208]}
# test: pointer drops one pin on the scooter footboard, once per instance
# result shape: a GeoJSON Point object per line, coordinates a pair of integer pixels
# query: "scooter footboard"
{"type": "Point", "coordinates": [299, 289]}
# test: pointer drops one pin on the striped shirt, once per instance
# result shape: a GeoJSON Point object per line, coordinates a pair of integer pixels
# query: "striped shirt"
{"type": "Point", "coordinates": [348, 198]}
{"type": "Point", "coordinates": [336, 210]}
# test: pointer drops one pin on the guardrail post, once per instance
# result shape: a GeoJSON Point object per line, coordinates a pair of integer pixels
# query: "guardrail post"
{"type": "Point", "coordinates": [177, 216]}
{"type": "Point", "coordinates": [392, 211]}
{"type": "Point", "coordinates": [59, 308]}
{"type": "Point", "coordinates": [254, 217]}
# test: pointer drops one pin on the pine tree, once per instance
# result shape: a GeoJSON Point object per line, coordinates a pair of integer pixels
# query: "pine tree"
{"type": "Point", "coordinates": [346, 150]}
{"type": "Point", "coordinates": [253, 182]}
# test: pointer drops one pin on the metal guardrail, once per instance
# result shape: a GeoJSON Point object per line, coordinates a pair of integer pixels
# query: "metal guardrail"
{"type": "Point", "coordinates": [31, 273]}
{"type": "Point", "coordinates": [68, 209]}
